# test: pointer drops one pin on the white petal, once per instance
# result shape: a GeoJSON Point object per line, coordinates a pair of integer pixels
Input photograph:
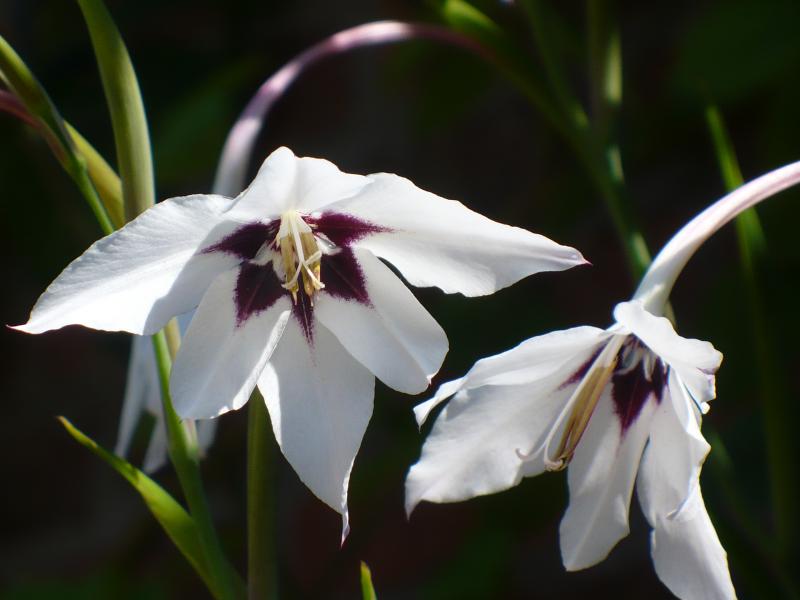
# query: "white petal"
{"type": "Point", "coordinates": [141, 391]}
{"type": "Point", "coordinates": [695, 361]}
{"type": "Point", "coordinates": [601, 477]}
{"type": "Point", "coordinates": [157, 451]}
{"type": "Point", "coordinates": [677, 449]}
{"type": "Point", "coordinates": [688, 556]}
{"type": "Point", "coordinates": [220, 360]}
{"type": "Point", "coordinates": [395, 337]}
{"type": "Point", "coordinates": [539, 357]}
{"type": "Point", "coordinates": [686, 551]}
{"type": "Point", "coordinates": [504, 407]}
{"type": "Point", "coordinates": [286, 182]}
{"type": "Point", "coordinates": [475, 445]}
{"type": "Point", "coordinates": [139, 277]}
{"type": "Point", "coordinates": [438, 242]}
{"type": "Point", "coordinates": [320, 401]}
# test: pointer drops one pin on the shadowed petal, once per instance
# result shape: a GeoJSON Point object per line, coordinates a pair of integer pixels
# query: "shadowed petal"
{"type": "Point", "coordinates": [688, 556]}
{"type": "Point", "coordinates": [438, 242]}
{"type": "Point", "coordinates": [557, 352]}
{"type": "Point", "coordinates": [320, 401]}
{"type": "Point", "coordinates": [601, 477]}
{"type": "Point", "coordinates": [672, 461]}
{"type": "Point", "coordinates": [141, 391]}
{"type": "Point", "coordinates": [222, 356]}
{"type": "Point", "coordinates": [695, 361]}
{"type": "Point", "coordinates": [393, 336]}
{"type": "Point", "coordinates": [503, 408]}
{"type": "Point", "coordinates": [139, 277]}
{"type": "Point", "coordinates": [475, 445]}
{"type": "Point", "coordinates": [686, 551]}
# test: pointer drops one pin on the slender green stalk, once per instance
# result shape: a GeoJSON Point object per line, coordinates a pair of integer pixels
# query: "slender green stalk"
{"type": "Point", "coordinates": [541, 23]}
{"type": "Point", "coordinates": [125, 105]}
{"type": "Point", "coordinates": [594, 145]}
{"type": "Point", "coordinates": [183, 451]}
{"type": "Point", "coordinates": [21, 81]}
{"type": "Point", "coordinates": [261, 575]}
{"type": "Point", "coordinates": [605, 84]}
{"type": "Point", "coordinates": [780, 438]}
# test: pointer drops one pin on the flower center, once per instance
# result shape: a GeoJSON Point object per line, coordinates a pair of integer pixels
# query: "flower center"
{"type": "Point", "coordinates": [300, 253]}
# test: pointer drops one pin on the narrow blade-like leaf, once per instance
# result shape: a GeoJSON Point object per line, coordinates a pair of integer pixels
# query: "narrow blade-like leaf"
{"type": "Point", "coordinates": [132, 139]}
{"type": "Point", "coordinates": [175, 521]}
{"type": "Point", "coordinates": [367, 589]}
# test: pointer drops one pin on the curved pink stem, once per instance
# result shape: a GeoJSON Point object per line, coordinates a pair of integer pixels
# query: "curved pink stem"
{"type": "Point", "coordinates": [235, 158]}
{"type": "Point", "coordinates": [11, 104]}
{"type": "Point", "coordinates": [657, 282]}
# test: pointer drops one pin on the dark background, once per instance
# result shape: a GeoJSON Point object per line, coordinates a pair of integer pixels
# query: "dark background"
{"type": "Point", "coordinates": [71, 527]}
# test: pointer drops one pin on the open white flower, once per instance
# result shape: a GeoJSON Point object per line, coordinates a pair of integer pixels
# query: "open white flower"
{"type": "Point", "coordinates": [291, 296]}
{"type": "Point", "coordinates": [618, 406]}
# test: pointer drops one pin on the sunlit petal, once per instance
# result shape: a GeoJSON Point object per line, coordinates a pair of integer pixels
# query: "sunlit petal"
{"type": "Point", "coordinates": [139, 277]}
{"type": "Point", "coordinates": [601, 478]}
{"type": "Point", "coordinates": [393, 335]}
{"type": "Point", "coordinates": [320, 401]}
{"type": "Point", "coordinates": [442, 243]}
{"type": "Point", "coordinates": [222, 357]}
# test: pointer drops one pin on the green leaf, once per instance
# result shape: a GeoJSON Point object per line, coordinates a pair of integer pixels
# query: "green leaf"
{"type": "Point", "coordinates": [175, 521]}
{"type": "Point", "coordinates": [468, 19]}
{"type": "Point", "coordinates": [367, 590]}
{"type": "Point", "coordinates": [511, 60]}
{"type": "Point", "coordinates": [131, 137]}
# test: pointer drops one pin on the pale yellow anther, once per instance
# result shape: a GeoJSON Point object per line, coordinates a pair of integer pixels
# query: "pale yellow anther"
{"type": "Point", "coordinates": [300, 254]}
{"type": "Point", "coordinates": [586, 398]}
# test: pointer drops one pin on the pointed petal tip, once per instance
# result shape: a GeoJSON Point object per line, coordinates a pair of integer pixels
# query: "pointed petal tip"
{"type": "Point", "coordinates": [410, 504]}
{"type": "Point", "coordinates": [24, 328]}
{"type": "Point", "coordinates": [345, 526]}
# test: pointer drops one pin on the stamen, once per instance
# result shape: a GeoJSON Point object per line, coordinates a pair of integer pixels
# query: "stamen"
{"type": "Point", "coordinates": [586, 397]}
{"type": "Point", "coordinates": [300, 254]}
{"type": "Point", "coordinates": [580, 407]}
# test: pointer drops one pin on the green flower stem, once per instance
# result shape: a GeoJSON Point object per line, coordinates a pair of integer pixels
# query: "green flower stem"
{"type": "Point", "coordinates": [261, 575]}
{"type": "Point", "coordinates": [183, 451]}
{"type": "Point", "coordinates": [591, 143]}
{"type": "Point", "coordinates": [780, 439]}
{"type": "Point", "coordinates": [103, 177]}
{"type": "Point", "coordinates": [86, 187]}
{"type": "Point", "coordinates": [605, 65]}
{"type": "Point", "coordinates": [105, 180]}
{"type": "Point", "coordinates": [20, 80]}
{"type": "Point", "coordinates": [605, 85]}
{"type": "Point", "coordinates": [125, 105]}
{"type": "Point", "coordinates": [541, 23]}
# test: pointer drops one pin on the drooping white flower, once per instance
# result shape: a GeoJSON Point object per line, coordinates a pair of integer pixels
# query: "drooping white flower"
{"type": "Point", "coordinates": [292, 296]}
{"type": "Point", "coordinates": [618, 406]}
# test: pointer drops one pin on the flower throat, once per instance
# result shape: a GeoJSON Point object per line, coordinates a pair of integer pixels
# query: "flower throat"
{"type": "Point", "coordinates": [300, 254]}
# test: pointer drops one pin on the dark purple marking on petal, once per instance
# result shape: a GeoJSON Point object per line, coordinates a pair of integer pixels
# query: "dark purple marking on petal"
{"type": "Point", "coordinates": [342, 229]}
{"type": "Point", "coordinates": [343, 277]}
{"type": "Point", "coordinates": [631, 388]}
{"type": "Point", "coordinates": [303, 311]}
{"type": "Point", "coordinates": [246, 240]}
{"type": "Point", "coordinates": [582, 370]}
{"type": "Point", "coordinates": [257, 289]}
